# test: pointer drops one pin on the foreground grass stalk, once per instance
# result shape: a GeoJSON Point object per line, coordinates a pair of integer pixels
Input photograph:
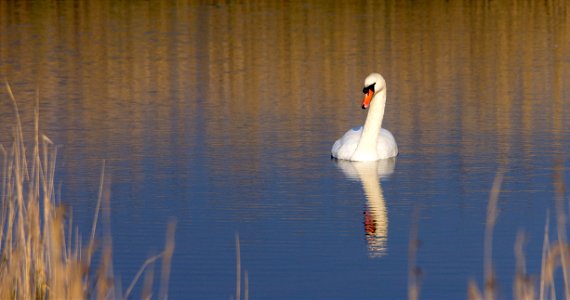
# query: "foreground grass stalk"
{"type": "Point", "coordinates": [492, 214]}
{"type": "Point", "coordinates": [523, 286]}
{"type": "Point", "coordinates": [561, 222]}
{"type": "Point", "coordinates": [414, 272]}
{"type": "Point", "coordinates": [543, 265]}
{"type": "Point", "coordinates": [238, 269]}
{"type": "Point", "coordinates": [554, 254]}
{"type": "Point", "coordinates": [166, 261]}
{"type": "Point", "coordinates": [41, 258]}
{"type": "Point", "coordinates": [239, 275]}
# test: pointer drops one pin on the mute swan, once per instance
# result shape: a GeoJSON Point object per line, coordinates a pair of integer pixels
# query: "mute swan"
{"type": "Point", "coordinates": [370, 173]}
{"type": "Point", "coordinates": [369, 142]}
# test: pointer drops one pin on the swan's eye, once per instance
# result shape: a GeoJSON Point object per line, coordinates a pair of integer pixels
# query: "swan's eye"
{"type": "Point", "coordinates": [370, 87]}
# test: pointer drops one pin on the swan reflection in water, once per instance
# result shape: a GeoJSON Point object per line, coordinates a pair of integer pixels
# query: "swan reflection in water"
{"type": "Point", "coordinates": [376, 215]}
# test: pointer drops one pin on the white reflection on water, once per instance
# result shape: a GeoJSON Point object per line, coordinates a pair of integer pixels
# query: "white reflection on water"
{"type": "Point", "coordinates": [376, 215]}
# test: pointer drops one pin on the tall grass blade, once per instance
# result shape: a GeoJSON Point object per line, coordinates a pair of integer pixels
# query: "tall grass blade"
{"type": "Point", "coordinates": [492, 214]}
{"type": "Point", "coordinates": [166, 260]}
{"type": "Point", "coordinates": [40, 252]}
{"type": "Point", "coordinates": [414, 272]}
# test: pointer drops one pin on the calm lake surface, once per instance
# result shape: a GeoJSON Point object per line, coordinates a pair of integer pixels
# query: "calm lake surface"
{"type": "Point", "coordinates": [222, 115]}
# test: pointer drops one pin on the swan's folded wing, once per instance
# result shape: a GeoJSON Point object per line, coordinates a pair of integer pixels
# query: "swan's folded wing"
{"type": "Point", "coordinates": [386, 146]}
{"type": "Point", "coordinates": [344, 147]}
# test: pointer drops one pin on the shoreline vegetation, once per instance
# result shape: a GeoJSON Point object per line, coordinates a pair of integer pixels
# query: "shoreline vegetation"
{"type": "Point", "coordinates": [43, 255]}
{"type": "Point", "coordinates": [555, 254]}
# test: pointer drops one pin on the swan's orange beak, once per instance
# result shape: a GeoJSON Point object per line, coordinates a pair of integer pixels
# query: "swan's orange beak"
{"type": "Point", "coordinates": [367, 99]}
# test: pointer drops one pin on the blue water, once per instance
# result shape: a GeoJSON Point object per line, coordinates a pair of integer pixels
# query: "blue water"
{"type": "Point", "coordinates": [221, 117]}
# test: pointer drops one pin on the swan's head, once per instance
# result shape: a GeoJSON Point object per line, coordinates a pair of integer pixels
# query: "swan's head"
{"type": "Point", "coordinates": [373, 84]}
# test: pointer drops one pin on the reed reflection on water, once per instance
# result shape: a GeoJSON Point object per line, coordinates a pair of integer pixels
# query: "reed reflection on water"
{"type": "Point", "coordinates": [491, 68]}
{"type": "Point", "coordinates": [223, 115]}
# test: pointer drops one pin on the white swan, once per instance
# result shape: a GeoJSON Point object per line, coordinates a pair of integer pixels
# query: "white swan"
{"type": "Point", "coordinates": [369, 142]}
{"type": "Point", "coordinates": [376, 215]}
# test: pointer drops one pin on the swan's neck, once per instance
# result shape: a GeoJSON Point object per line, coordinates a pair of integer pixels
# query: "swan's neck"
{"type": "Point", "coordinates": [369, 137]}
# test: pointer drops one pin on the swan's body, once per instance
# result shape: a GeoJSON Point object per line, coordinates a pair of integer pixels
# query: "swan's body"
{"type": "Point", "coordinates": [369, 142]}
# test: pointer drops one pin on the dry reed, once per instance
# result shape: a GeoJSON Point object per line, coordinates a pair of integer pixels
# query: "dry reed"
{"type": "Point", "coordinates": [414, 272]}
{"type": "Point", "coordinates": [554, 254]}
{"type": "Point", "coordinates": [42, 255]}
{"type": "Point", "coordinates": [239, 274]}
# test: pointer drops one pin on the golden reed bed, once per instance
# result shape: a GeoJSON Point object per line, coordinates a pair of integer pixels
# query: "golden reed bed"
{"type": "Point", "coordinates": [43, 256]}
